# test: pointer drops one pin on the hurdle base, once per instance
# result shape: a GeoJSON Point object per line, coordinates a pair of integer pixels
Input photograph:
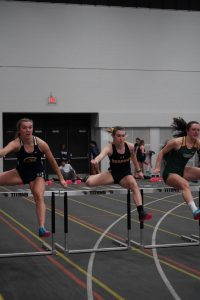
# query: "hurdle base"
{"type": "Point", "coordinates": [192, 242]}
{"type": "Point", "coordinates": [191, 239]}
{"type": "Point", "coordinates": [122, 247]}
{"type": "Point", "coordinates": [49, 250]}
{"type": "Point", "coordinates": [196, 237]}
{"type": "Point", "coordinates": [23, 254]}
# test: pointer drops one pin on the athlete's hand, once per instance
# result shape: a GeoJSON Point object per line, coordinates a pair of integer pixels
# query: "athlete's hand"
{"type": "Point", "coordinates": [156, 171]}
{"type": "Point", "coordinates": [94, 162]}
{"type": "Point", "coordinates": [140, 175]}
{"type": "Point", "coordinates": [63, 183]}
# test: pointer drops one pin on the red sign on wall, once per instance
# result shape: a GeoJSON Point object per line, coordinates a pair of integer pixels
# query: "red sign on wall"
{"type": "Point", "coordinates": [52, 99]}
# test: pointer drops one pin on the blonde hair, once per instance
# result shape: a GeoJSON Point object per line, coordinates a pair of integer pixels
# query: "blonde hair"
{"type": "Point", "coordinates": [113, 130]}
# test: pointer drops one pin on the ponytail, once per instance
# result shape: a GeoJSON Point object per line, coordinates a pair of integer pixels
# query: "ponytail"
{"type": "Point", "coordinates": [113, 130]}
{"type": "Point", "coordinates": [180, 126]}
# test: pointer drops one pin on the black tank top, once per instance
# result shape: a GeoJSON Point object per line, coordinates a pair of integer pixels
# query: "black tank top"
{"type": "Point", "coordinates": [120, 162]}
{"type": "Point", "coordinates": [29, 162]}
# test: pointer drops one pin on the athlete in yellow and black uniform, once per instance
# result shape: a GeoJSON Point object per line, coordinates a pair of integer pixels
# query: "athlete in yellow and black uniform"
{"type": "Point", "coordinates": [29, 164]}
{"type": "Point", "coordinates": [119, 153]}
{"type": "Point", "coordinates": [120, 163]}
{"type": "Point", "coordinates": [29, 151]}
{"type": "Point", "coordinates": [176, 154]}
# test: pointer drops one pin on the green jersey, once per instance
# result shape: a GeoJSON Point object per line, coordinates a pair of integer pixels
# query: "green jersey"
{"type": "Point", "coordinates": [176, 160]}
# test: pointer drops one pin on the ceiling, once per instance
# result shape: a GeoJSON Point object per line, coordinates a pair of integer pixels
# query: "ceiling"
{"type": "Point", "coordinates": [191, 5]}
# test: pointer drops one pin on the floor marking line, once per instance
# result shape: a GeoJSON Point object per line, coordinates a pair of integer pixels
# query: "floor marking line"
{"type": "Point", "coordinates": [52, 259]}
{"type": "Point", "coordinates": [156, 259]}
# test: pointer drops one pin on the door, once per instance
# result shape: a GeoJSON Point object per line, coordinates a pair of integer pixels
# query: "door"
{"type": "Point", "coordinates": [55, 137]}
{"type": "Point", "coordinates": [10, 160]}
{"type": "Point", "coordinates": [78, 146]}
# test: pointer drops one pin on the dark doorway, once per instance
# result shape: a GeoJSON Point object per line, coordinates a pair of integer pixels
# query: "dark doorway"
{"type": "Point", "coordinates": [73, 130]}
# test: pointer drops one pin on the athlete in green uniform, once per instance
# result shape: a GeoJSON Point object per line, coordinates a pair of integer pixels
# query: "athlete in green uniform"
{"type": "Point", "coordinates": [176, 153]}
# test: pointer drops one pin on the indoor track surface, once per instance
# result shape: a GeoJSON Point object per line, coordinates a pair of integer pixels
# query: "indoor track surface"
{"type": "Point", "coordinates": [98, 220]}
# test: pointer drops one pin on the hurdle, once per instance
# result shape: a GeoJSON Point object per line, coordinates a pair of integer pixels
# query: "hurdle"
{"type": "Point", "coordinates": [49, 250]}
{"type": "Point", "coordinates": [194, 240]}
{"type": "Point", "coordinates": [123, 246]}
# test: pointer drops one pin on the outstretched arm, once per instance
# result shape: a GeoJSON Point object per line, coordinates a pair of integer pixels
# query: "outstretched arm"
{"type": "Point", "coordinates": [13, 146]}
{"type": "Point", "coordinates": [104, 152]}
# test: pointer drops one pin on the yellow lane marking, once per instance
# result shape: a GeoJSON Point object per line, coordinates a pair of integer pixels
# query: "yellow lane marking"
{"type": "Point", "coordinates": [105, 287]}
{"type": "Point", "coordinates": [77, 267]}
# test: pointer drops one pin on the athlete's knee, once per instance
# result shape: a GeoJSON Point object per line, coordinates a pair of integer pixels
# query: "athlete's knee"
{"type": "Point", "coordinates": [134, 187]}
{"type": "Point", "coordinates": [89, 181]}
{"type": "Point", "coordinates": [184, 185]}
{"type": "Point", "coordinates": [38, 197]}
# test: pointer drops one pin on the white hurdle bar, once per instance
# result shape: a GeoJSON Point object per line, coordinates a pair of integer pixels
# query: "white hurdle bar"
{"type": "Point", "coordinates": [194, 240]}
{"type": "Point", "coordinates": [50, 250]}
{"type": "Point", "coordinates": [123, 246]}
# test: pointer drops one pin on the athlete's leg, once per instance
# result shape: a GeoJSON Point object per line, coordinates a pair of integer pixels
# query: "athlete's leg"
{"type": "Point", "coordinates": [38, 187]}
{"type": "Point", "coordinates": [103, 178]}
{"type": "Point", "coordinates": [181, 183]}
{"type": "Point", "coordinates": [191, 173]}
{"type": "Point", "coordinates": [10, 177]}
{"type": "Point", "coordinates": [129, 182]}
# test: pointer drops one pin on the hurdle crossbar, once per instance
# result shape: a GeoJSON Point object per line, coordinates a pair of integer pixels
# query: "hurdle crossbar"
{"type": "Point", "coordinates": [192, 241]}
{"type": "Point", "coordinates": [123, 246]}
{"type": "Point", "coordinates": [49, 249]}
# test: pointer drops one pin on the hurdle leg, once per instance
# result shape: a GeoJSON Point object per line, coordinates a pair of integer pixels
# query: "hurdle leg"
{"type": "Point", "coordinates": [45, 245]}
{"type": "Point", "coordinates": [192, 241]}
{"type": "Point", "coordinates": [65, 249]}
{"type": "Point", "coordinates": [128, 217]}
{"type": "Point", "coordinates": [140, 243]}
{"type": "Point", "coordinates": [194, 236]}
{"type": "Point", "coordinates": [128, 222]}
{"type": "Point", "coordinates": [49, 250]}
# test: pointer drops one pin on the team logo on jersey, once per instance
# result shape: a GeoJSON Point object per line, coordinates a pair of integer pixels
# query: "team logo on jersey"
{"type": "Point", "coordinates": [120, 161]}
{"type": "Point", "coordinates": [188, 155]}
{"type": "Point", "coordinates": [30, 159]}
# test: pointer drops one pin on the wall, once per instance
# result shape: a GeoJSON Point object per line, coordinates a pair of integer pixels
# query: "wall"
{"type": "Point", "coordinates": [140, 65]}
{"type": "Point", "coordinates": [134, 67]}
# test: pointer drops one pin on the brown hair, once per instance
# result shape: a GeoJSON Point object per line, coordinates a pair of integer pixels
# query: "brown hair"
{"type": "Point", "coordinates": [113, 130]}
{"type": "Point", "coordinates": [180, 126]}
{"type": "Point", "coordinates": [19, 123]}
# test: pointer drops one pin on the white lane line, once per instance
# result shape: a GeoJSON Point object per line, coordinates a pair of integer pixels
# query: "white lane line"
{"type": "Point", "coordinates": [92, 256]}
{"type": "Point", "coordinates": [155, 256]}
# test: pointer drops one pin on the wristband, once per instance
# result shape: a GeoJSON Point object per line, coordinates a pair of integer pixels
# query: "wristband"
{"type": "Point", "coordinates": [138, 171]}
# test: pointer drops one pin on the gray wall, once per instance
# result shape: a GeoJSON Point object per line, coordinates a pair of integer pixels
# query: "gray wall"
{"type": "Point", "coordinates": [134, 67]}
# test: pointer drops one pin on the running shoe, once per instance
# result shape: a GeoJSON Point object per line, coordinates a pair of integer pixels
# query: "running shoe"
{"type": "Point", "coordinates": [143, 216]}
{"type": "Point", "coordinates": [43, 232]}
{"type": "Point", "coordinates": [196, 214]}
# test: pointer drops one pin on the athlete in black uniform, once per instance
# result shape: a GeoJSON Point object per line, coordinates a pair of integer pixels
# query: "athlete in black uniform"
{"type": "Point", "coordinates": [29, 151]}
{"type": "Point", "coordinates": [120, 153]}
{"type": "Point", "coordinates": [176, 153]}
{"type": "Point", "coordinates": [29, 165]}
